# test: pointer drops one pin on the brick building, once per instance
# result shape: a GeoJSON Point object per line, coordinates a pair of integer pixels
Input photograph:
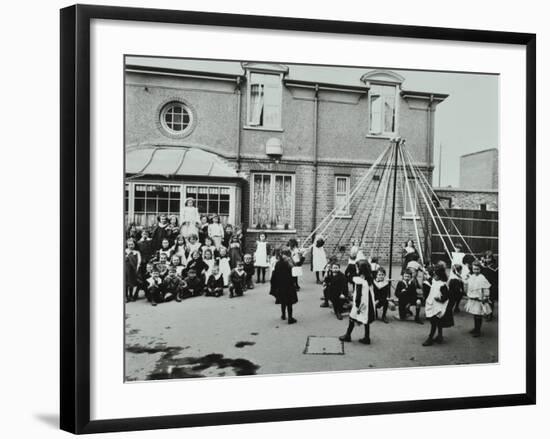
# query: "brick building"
{"type": "Point", "coordinates": [267, 149]}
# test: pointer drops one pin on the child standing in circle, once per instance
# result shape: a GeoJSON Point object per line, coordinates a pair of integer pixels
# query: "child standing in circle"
{"type": "Point", "coordinates": [261, 259]}
{"type": "Point", "coordinates": [438, 311]}
{"type": "Point", "coordinates": [319, 259]}
{"type": "Point", "coordinates": [478, 293]}
{"type": "Point", "coordinates": [362, 312]}
{"type": "Point", "coordinates": [297, 259]}
{"type": "Point", "coordinates": [190, 219]}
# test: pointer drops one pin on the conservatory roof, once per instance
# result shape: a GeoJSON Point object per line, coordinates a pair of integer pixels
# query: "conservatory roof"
{"type": "Point", "coordinates": [177, 161]}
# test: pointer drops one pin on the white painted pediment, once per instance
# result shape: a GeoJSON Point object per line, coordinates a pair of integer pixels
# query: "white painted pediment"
{"type": "Point", "coordinates": [386, 76]}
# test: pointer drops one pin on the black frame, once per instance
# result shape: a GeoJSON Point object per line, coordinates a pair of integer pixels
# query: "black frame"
{"type": "Point", "coordinates": [75, 217]}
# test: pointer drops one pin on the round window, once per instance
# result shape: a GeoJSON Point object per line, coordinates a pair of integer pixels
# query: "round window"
{"type": "Point", "coordinates": [175, 118]}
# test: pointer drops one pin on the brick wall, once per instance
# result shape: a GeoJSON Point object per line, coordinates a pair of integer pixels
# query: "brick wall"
{"type": "Point", "coordinates": [468, 199]}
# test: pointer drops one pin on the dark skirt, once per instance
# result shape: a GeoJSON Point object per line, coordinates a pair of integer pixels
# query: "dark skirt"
{"type": "Point", "coordinates": [447, 320]}
{"type": "Point", "coordinates": [131, 271]}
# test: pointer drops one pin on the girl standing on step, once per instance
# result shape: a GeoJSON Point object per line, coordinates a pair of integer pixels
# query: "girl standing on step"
{"type": "Point", "coordinates": [363, 311]}
{"type": "Point", "coordinates": [190, 220]}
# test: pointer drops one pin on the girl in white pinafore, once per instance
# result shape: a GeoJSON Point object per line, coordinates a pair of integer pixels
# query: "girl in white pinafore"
{"type": "Point", "coordinates": [261, 257]}
{"type": "Point", "coordinates": [363, 311]}
{"type": "Point", "coordinates": [478, 292]}
{"type": "Point", "coordinates": [437, 303]}
{"type": "Point", "coordinates": [319, 259]}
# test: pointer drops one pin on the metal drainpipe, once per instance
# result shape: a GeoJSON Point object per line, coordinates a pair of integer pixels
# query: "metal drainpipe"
{"type": "Point", "coordinates": [239, 97]}
{"type": "Point", "coordinates": [315, 155]}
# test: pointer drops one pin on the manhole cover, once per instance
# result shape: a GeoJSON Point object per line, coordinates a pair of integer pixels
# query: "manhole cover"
{"type": "Point", "coordinates": [319, 345]}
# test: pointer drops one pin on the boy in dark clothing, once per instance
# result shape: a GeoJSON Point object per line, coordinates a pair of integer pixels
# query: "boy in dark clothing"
{"type": "Point", "coordinates": [336, 286]}
{"type": "Point", "coordinates": [249, 269]}
{"type": "Point", "coordinates": [194, 285]}
{"type": "Point", "coordinates": [237, 280]}
{"type": "Point", "coordinates": [214, 285]}
{"type": "Point", "coordinates": [155, 288]}
{"type": "Point", "coordinates": [173, 285]}
{"type": "Point", "coordinates": [405, 291]}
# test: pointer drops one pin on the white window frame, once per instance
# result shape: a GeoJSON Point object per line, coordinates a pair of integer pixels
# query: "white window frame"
{"type": "Point", "coordinates": [183, 191]}
{"type": "Point", "coordinates": [371, 94]}
{"type": "Point", "coordinates": [273, 176]}
{"type": "Point", "coordinates": [164, 124]}
{"type": "Point", "coordinates": [132, 198]}
{"type": "Point", "coordinates": [249, 125]}
{"type": "Point", "coordinates": [231, 189]}
{"type": "Point", "coordinates": [411, 184]}
{"type": "Point", "coordinates": [346, 211]}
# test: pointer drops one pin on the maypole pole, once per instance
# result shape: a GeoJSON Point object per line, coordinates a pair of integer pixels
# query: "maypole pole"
{"type": "Point", "coordinates": [397, 142]}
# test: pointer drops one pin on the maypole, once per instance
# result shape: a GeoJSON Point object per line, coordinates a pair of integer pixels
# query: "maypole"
{"type": "Point", "coordinates": [397, 143]}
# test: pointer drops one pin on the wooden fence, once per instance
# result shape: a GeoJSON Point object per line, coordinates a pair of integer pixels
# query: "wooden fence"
{"type": "Point", "coordinates": [479, 228]}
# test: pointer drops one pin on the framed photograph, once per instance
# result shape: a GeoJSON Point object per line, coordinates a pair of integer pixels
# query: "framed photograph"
{"type": "Point", "coordinates": [275, 218]}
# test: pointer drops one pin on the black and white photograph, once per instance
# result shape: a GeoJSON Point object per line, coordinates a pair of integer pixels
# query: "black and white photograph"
{"type": "Point", "coordinates": [285, 218]}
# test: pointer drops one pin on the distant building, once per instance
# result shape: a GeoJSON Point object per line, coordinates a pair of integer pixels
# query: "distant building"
{"type": "Point", "coordinates": [479, 170]}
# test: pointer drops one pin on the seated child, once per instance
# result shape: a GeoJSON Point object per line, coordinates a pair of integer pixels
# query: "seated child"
{"type": "Point", "coordinates": [249, 270]}
{"type": "Point", "coordinates": [336, 287]}
{"type": "Point", "coordinates": [176, 263]}
{"type": "Point", "coordinates": [165, 249]}
{"type": "Point", "coordinates": [194, 285]}
{"type": "Point", "coordinates": [209, 245]}
{"type": "Point", "coordinates": [208, 259]}
{"type": "Point", "coordinates": [214, 285]}
{"type": "Point", "coordinates": [173, 285]}
{"type": "Point", "coordinates": [381, 289]}
{"type": "Point", "coordinates": [405, 291]}
{"type": "Point", "coordinates": [195, 262]}
{"type": "Point", "coordinates": [155, 288]}
{"type": "Point", "coordinates": [162, 265]}
{"type": "Point", "coordinates": [237, 280]}
{"type": "Point", "coordinates": [193, 245]}
{"type": "Point", "coordinates": [143, 279]}
{"type": "Point", "coordinates": [223, 263]}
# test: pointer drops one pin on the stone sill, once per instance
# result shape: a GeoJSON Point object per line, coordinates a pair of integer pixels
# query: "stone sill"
{"type": "Point", "coordinates": [277, 130]}
{"type": "Point", "coordinates": [291, 231]}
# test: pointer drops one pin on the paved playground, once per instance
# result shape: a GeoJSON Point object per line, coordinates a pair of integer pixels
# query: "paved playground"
{"type": "Point", "coordinates": [206, 336]}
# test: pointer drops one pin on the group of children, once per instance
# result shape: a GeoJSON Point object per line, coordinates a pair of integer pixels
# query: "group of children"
{"type": "Point", "coordinates": [429, 287]}
{"type": "Point", "coordinates": [171, 262]}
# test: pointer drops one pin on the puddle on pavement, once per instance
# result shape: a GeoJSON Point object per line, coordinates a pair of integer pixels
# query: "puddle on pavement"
{"type": "Point", "coordinates": [213, 365]}
{"type": "Point", "coordinates": [242, 344]}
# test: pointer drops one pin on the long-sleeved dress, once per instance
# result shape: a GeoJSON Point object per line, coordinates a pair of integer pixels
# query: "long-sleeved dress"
{"type": "Point", "coordinates": [282, 284]}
